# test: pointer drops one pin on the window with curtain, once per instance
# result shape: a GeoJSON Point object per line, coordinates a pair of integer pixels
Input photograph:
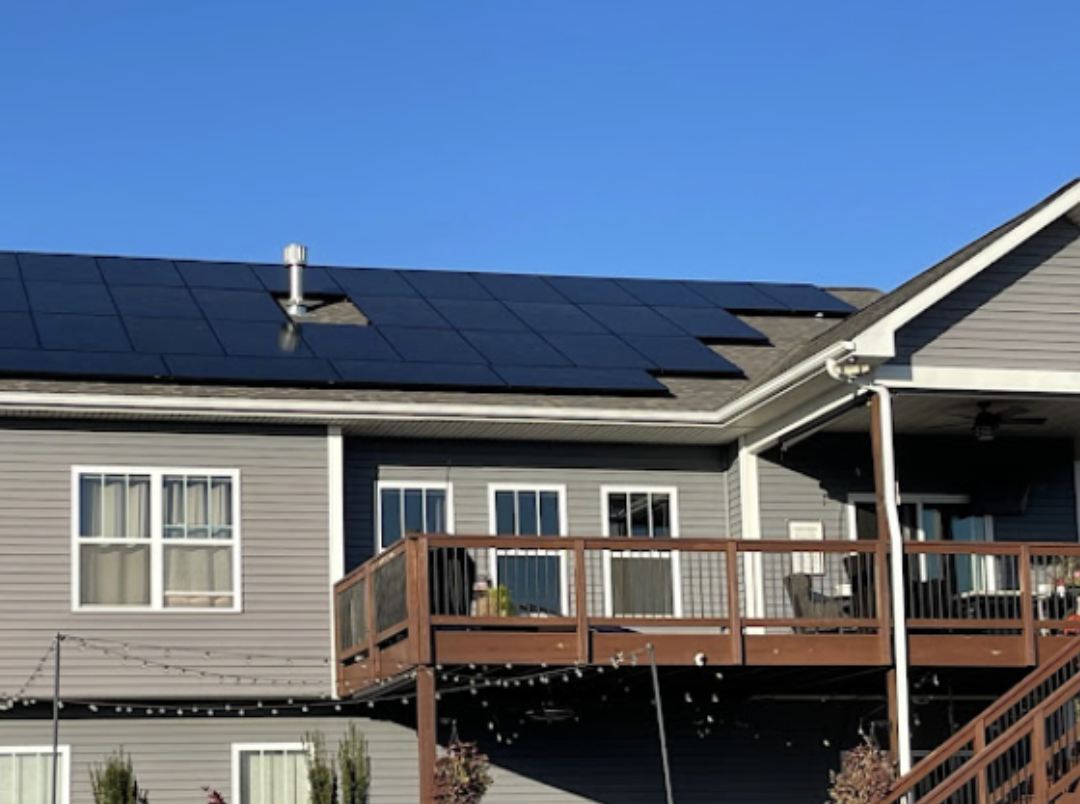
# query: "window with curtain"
{"type": "Point", "coordinates": [411, 508]}
{"type": "Point", "coordinates": [183, 557]}
{"type": "Point", "coordinates": [642, 583]}
{"type": "Point", "coordinates": [271, 774]}
{"type": "Point", "coordinates": [26, 775]}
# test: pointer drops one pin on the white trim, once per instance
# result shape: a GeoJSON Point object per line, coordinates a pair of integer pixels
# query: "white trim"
{"type": "Point", "coordinates": [64, 793]}
{"type": "Point", "coordinates": [335, 482]}
{"type": "Point", "coordinates": [564, 529]}
{"type": "Point", "coordinates": [416, 485]}
{"type": "Point", "coordinates": [879, 338]}
{"type": "Point", "coordinates": [240, 748]}
{"type": "Point", "coordinates": [676, 562]}
{"type": "Point", "coordinates": [156, 542]}
{"type": "Point", "coordinates": [1024, 381]}
{"type": "Point", "coordinates": [750, 505]}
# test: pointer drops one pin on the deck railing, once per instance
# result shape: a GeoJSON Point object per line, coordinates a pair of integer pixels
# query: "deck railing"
{"type": "Point", "coordinates": [427, 583]}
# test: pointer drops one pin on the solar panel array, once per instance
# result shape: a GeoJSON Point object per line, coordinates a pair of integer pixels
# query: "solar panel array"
{"type": "Point", "coordinates": [81, 316]}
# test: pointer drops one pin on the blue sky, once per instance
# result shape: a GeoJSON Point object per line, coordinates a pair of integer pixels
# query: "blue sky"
{"type": "Point", "coordinates": [842, 142]}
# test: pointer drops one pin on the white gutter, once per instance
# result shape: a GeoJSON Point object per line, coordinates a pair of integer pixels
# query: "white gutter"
{"type": "Point", "coordinates": [896, 563]}
{"type": "Point", "coordinates": [323, 411]}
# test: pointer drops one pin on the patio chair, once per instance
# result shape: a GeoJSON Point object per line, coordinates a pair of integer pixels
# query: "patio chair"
{"type": "Point", "coordinates": [809, 604]}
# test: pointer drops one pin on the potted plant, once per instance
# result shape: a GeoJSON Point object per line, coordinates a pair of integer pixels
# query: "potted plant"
{"type": "Point", "coordinates": [495, 602]}
{"type": "Point", "coordinates": [114, 782]}
{"type": "Point", "coordinates": [865, 776]}
{"type": "Point", "coordinates": [462, 775]}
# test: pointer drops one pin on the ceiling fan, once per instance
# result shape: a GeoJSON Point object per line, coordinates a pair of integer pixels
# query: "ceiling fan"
{"type": "Point", "coordinates": [986, 422]}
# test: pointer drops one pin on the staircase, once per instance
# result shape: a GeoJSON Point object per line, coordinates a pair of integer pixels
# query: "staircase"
{"type": "Point", "coordinates": [1024, 749]}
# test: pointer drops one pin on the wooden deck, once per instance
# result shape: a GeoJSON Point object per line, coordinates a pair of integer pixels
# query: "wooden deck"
{"type": "Point", "coordinates": [444, 600]}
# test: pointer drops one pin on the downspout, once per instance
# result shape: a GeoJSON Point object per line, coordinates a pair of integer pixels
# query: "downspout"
{"type": "Point", "coordinates": [896, 558]}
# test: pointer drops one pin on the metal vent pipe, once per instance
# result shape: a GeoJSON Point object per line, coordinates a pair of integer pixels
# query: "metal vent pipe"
{"type": "Point", "coordinates": [295, 257]}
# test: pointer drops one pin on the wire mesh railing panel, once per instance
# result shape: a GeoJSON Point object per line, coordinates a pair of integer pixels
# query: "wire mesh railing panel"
{"type": "Point", "coordinates": [352, 615]}
{"type": "Point", "coordinates": [704, 585]}
{"type": "Point", "coordinates": [391, 592]}
{"type": "Point", "coordinates": [816, 585]}
{"type": "Point", "coordinates": [964, 587]}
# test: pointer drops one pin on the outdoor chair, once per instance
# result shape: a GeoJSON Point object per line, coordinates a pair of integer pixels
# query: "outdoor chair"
{"type": "Point", "coordinates": [810, 605]}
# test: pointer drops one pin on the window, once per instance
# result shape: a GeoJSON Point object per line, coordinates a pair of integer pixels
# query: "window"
{"type": "Point", "coordinates": [534, 579]}
{"type": "Point", "coordinates": [642, 583]}
{"type": "Point", "coordinates": [26, 775]}
{"type": "Point", "coordinates": [156, 539]}
{"type": "Point", "coordinates": [269, 773]}
{"type": "Point", "coordinates": [412, 508]}
{"type": "Point", "coordinates": [807, 531]}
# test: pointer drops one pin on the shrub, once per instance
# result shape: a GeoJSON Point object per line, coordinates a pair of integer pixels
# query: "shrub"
{"type": "Point", "coordinates": [462, 775]}
{"type": "Point", "coordinates": [322, 776]}
{"type": "Point", "coordinates": [354, 767]}
{"type": "Point", "coordinates": [114, 782]}
{"type": "Point", "coordinates": [213, 796]}
{"type": "Point", "coordinates": [866, 774]}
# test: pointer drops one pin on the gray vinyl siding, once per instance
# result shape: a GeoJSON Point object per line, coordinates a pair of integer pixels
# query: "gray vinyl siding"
{"type": "Point", "coordinates": [608, 759]}
{"type": "Point", "coordinates": [1021, 313]}
{"type": "Point", "coordinates": [284, 543]}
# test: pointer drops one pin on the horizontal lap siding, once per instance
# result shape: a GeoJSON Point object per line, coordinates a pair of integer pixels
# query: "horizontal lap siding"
{"type": "Point", "coordinates": [284, 515]}
{"type": "Point", "coordinates": [1021, 313]}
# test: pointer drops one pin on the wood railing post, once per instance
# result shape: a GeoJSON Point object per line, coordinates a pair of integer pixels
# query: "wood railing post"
{"type": "Point", "coordinates": [882, 601]}
{"type": "Point", "coordinates": [978, 745]}
{"type": "Point", "coordinates": [581, 602]}
{"type": "Point", "coordinates": [734, 610]}
{"type": "Point", "coordinates": [372, 625]}
{"type": "Point", "coordinates": [426, 723]}
{"type": "Point", "coordinates": [412, 597]}
{"type": "Point", "coordinates": [1040, 781]}
{"type": "Point", "coordinates": [1027, 606]}
{"type": "Point", "coordinates": [421, 589]}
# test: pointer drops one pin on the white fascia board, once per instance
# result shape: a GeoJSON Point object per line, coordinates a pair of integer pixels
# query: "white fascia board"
{"type": "Point", "coordinates": [973, 380]}
{"type": "Point", "coordinates": [879, 341]}
{"type": "Point", "coordinates": [341, 412]}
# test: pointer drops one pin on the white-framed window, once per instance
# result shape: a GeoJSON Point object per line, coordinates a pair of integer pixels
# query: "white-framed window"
{"type": "Point", "coordinates": [641, 583]}
{"type": "Point", "coordinates": [155, 539]}
{"type": "Point", "coordinates": [412, 507]}
{"type": "Point", "coordinates": [26, 775]}
{"type": "Point", "coordinates": [269, 773]}
{"type": "Point", "coordinates": [536, 580]}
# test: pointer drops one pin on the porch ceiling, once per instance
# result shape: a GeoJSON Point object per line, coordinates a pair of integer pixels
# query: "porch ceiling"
{"type": "Point", "coordinates": [953, 414]}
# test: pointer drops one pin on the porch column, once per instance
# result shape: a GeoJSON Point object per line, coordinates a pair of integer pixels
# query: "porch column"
{"type": "Point", "coordinates": [426, 721]}
{"type": "Point", "coordinates": [881, 435]}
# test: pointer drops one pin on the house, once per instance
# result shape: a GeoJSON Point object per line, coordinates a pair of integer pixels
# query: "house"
{"type": "Point", "coordinates": [245, 503]}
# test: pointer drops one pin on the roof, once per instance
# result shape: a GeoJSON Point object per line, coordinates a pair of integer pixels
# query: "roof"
{"type": "Point", "coordinates": [888, 303]}
{"type": "Point", "coordinates": [69, 323]}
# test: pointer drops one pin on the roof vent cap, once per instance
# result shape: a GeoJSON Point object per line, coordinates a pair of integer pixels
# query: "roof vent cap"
{"type": "Point", "coordinates": [295, 257]}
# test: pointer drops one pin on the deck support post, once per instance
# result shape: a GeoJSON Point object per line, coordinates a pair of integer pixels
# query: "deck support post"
{"type": "Point", "coordinates": [881, 434]}
{"type": "Point", "coordinates": [426, 723]}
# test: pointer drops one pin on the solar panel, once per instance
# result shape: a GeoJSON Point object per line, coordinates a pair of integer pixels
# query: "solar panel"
{"type": "Point", "coordinates": [182, 336]}
{"type": "Point", "coordinates": [224, 276]}
{"type": "Point", "coordinates": [805, 298]}
{"type": "Point", "coordinates": [737, 296]}
{"type": "Point", "coordinates": [544, 317]}
{"type": "Point", "coordinates": [577, 379]}
{"type": "Point", "coordinates": [371, 372]}
{"type": "Point", "coordinates": [145, 301]}
{"type": "Point", "coordinates": [62, 297]}
{"type": "Point", "coordinates": [256, 369]}
{"type": "Point", "coordinates": [396, 311]}
{"type": "Point", "coordinates": [85, 333]}
{"type": "Point", "coordinates": [478, 314]}
{"type": "Point", "coordinates": [666, 292]}
{"type": "Point", "coordinates": [121, 271]}
{"type": "Point", "coordinates": [515, 348]}
{"type": "Point", "coordinates": [12, 296]}
{"type": "Point", "coordinates": [59, 268]}
{"type": "Point", "coordinates": [17, 331]}
{"type": "Point", "coordinates": [682, 355]}
{"type": "Point", "coordinates": [590, 290]}
{"type": "Point", "coordinates": [347, 342]}
{"type": "Point", "coordinates": [445, 285]}
{"type": "Point", "coordinates": [712, 324]}
{"type": "Point", "coordinates": [362, 283]}
{"type": "Point", "coordinates": [258, 339]}
{"type": "Point", "coordinates": [598, 350]}
{"type": "Point", "coordinates": [316, 280]}
{"type": "Point", "coordinates": [238, 305]}
{"type": "Point", "coordinates": [100, 365]}
{"type": "Point", "coordinates": [9, 267]}
{"type": "Point", "coordinates": [631, 320]}
{"type": "Point", "coordinates": [430, 345]}
{"type": "Point", "coordinates": [519, 288]}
